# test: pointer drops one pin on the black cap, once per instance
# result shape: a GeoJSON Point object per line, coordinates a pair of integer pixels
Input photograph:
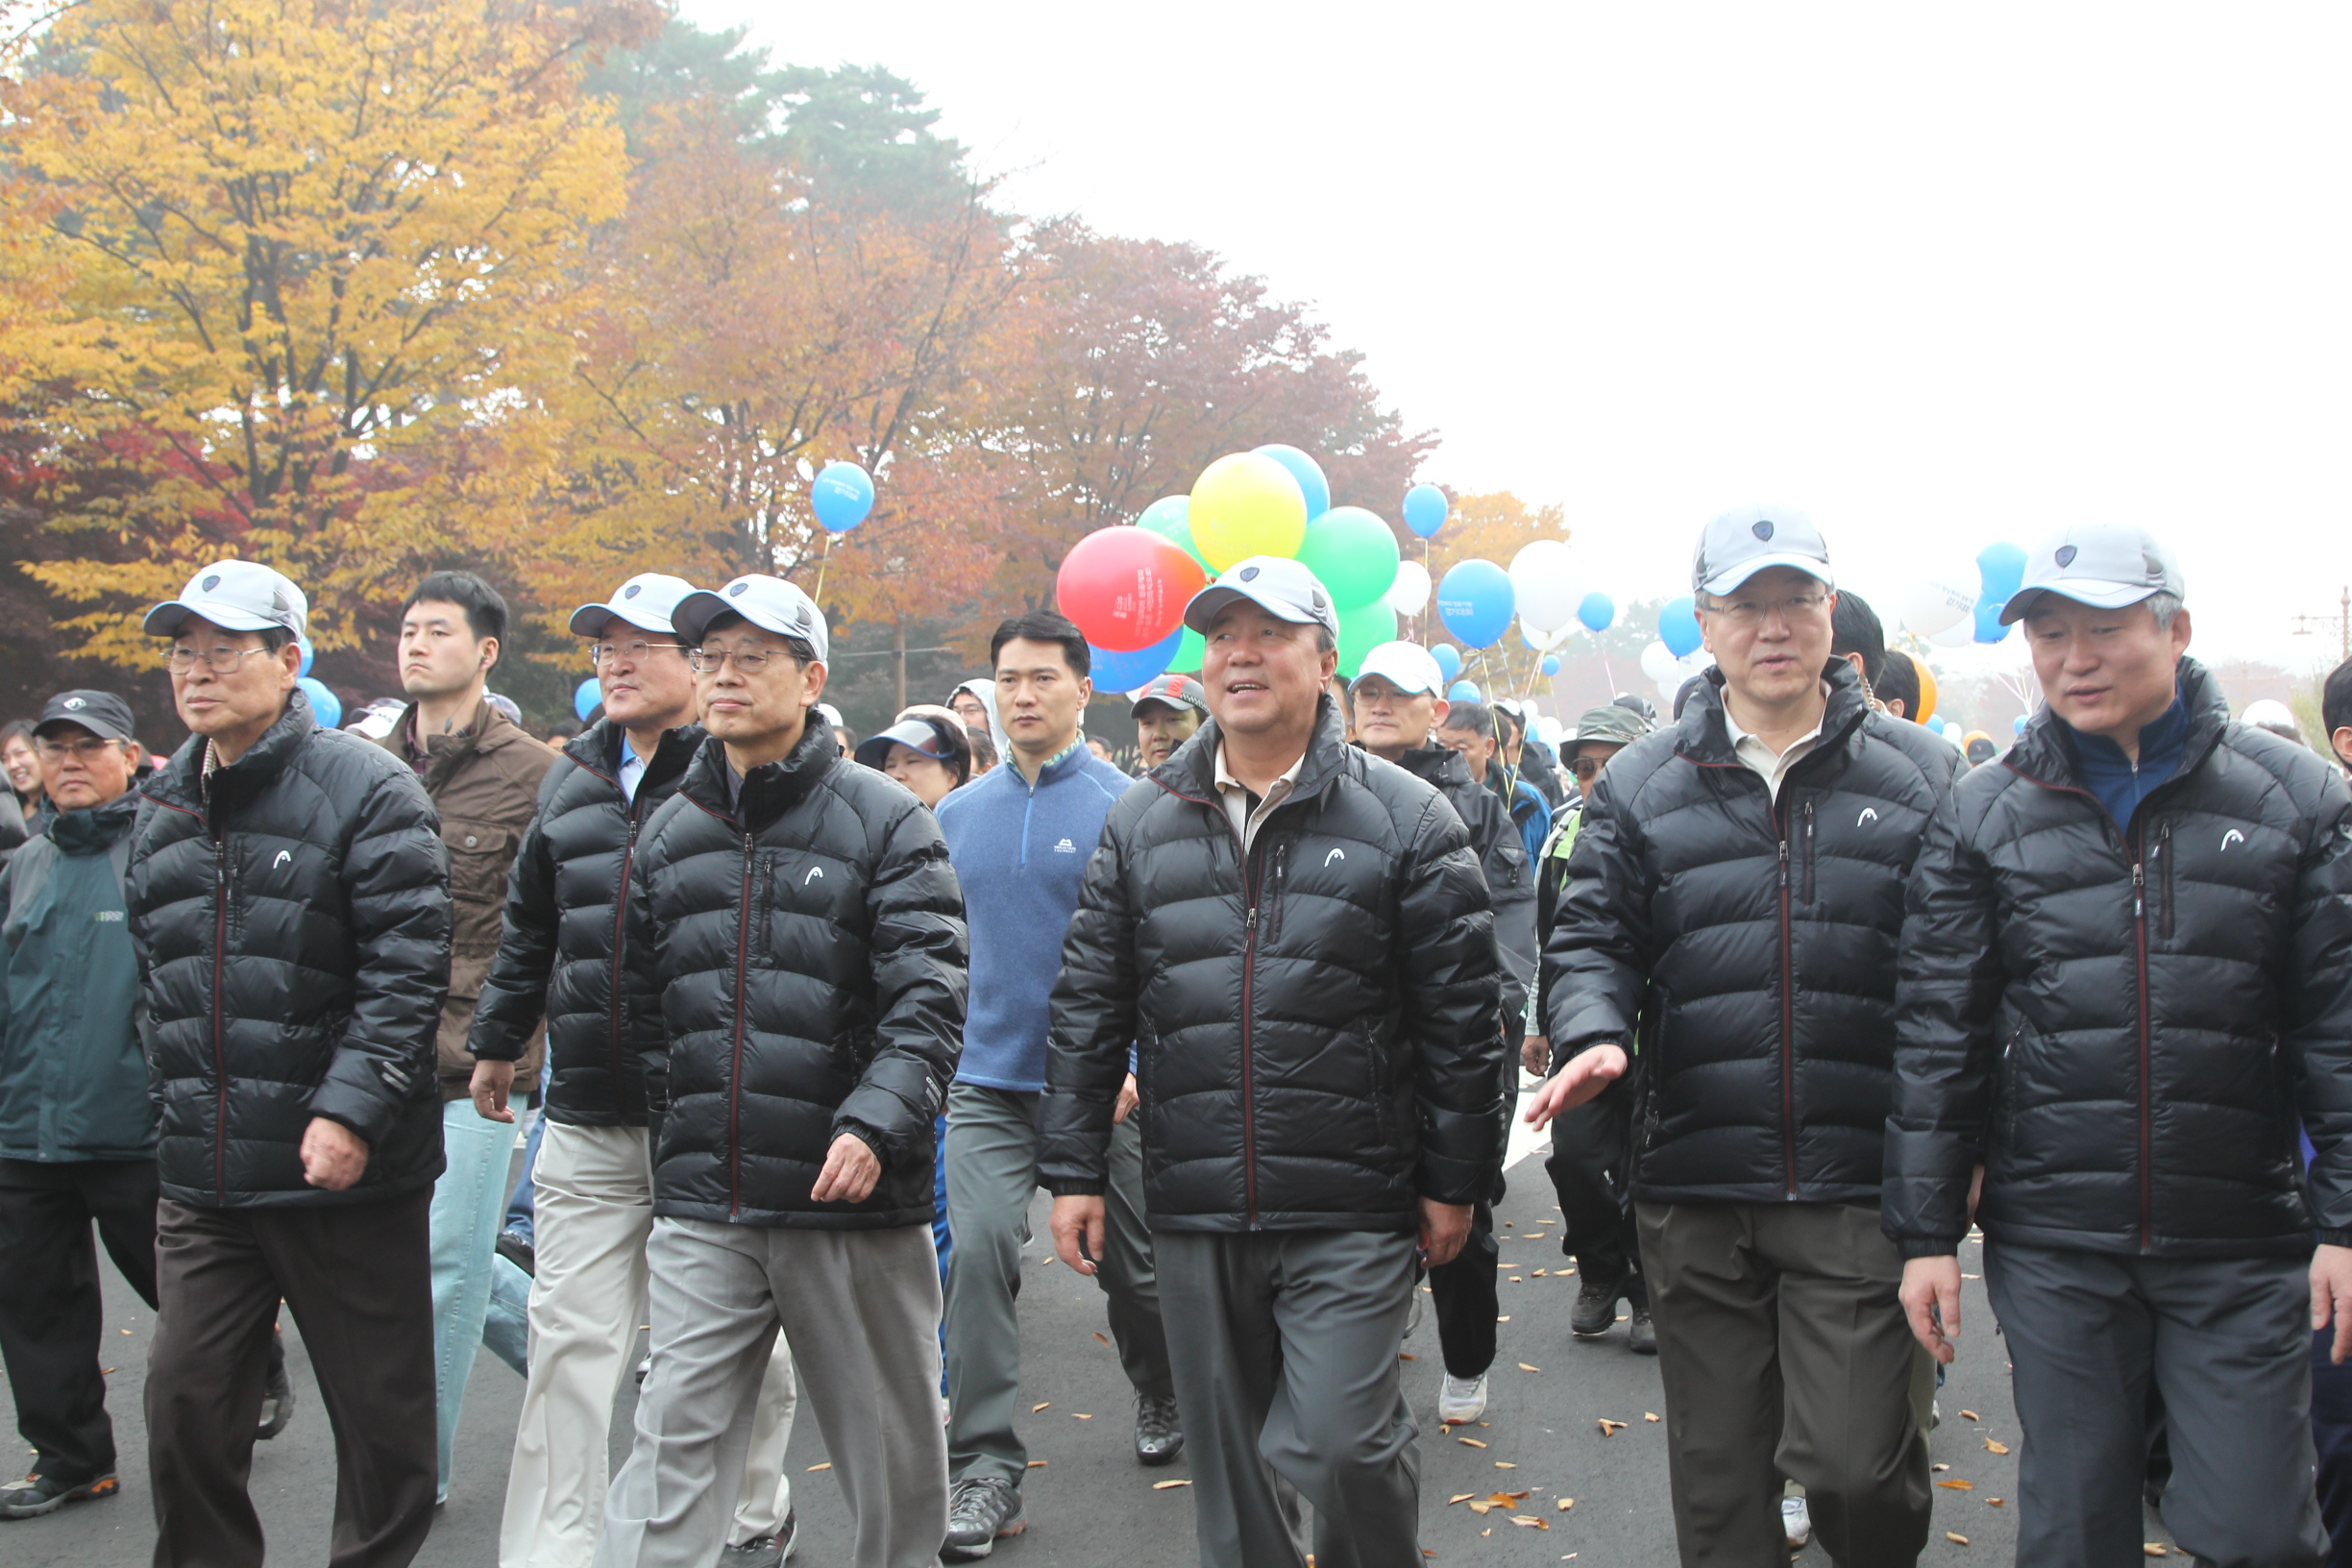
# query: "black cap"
{"type": "Point", "coordinates": [102, 713]}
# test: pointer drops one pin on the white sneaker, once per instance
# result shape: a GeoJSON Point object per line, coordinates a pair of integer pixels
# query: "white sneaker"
{"type": "Point", "coordinates": [1461, 1400]}
{"type": "Point", "coordinates": [1796, 1522]}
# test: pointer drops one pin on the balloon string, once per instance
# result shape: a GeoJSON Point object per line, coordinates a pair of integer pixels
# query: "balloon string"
{"type": "Point", "coordinates": [822, 560]}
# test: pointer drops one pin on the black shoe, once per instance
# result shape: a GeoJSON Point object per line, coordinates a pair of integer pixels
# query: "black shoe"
{"type": "Point", "coordinates": [1159, 1435]}
{"type": "Point", "coordinates": [277, 1404]}
{"type": "Point", "coordinates": [764, 1550]}
{"type": "Point", "coordinates": [980, 1512]}
{"type": "Point", "coordinates": [1642, 1340]}
{"type": "Point", "coordinates": [516, 1250]}
{"type": "Point", "coordinates": [36, 1495]}
{"type": "Point", "coordinates": [1596, 1304]}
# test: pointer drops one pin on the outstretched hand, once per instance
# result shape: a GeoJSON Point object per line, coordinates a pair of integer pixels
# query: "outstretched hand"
{"type": "Point", "coordinates": [1587, 1074]}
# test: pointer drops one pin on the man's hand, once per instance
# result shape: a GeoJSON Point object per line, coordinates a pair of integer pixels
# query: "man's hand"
{"type": "Point", "coordinates": [1535, 1054]}
{"type": "Point", "coordinates": [1931, 1301]}
{"type": "Point", "coordinates": [850, 1171]}
{"type": "Point", "coordinates": [1587, 1074]}
{"type": "Point", "coordinates": [1128, 1098]}
{"type": "Point", "coordinates": [2331, 1296]}
{"type": "Point", "coordinates": [491, 1082]}
{"type": "Point", "coordinates": [1074, 1219]}
{"type": "Point", "coordinates": [334, 1157]}
{"type": "Point", "coordinates": [1444, 1228]}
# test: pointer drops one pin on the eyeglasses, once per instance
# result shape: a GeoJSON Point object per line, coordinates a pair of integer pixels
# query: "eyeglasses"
{"type": "Point", "coordinates": [706, 661]}
{"type": "Point", "coordinates": [221, 661]}
{"type": "Point", "coordinates": [89, 747]}
{"type": "Point", "coordinates": [1748, 614]}
{"type": "Point", "coordinates": [630, 652]}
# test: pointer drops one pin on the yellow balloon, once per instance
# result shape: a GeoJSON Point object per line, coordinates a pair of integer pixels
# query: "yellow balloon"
{"type": "Point", "coordinates": [1246, 505]}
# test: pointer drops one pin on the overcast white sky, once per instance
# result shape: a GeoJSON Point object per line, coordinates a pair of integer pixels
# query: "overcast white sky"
{"type": "Point", "coordinates": [1939, 276]}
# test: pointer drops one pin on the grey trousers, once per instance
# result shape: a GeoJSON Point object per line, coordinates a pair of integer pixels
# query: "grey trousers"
{"type": "Point", "coordinates": [1285, 1350]}
{"type": "Point", "coordinates": [991, 1177]}
{"type": "Point", "coordinates": [861, 1309]}
{"type": "Point", "coordinates": [2228, 1342]}
{"type": "Point", "coordinates": [1784, 1352]}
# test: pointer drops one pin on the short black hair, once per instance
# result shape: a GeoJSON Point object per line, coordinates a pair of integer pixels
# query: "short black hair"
{"type": "Point", "coordinates": [1475, 718]}
{"type": "Point", "coordinates": [1854, 628]}
{"type": "Point", "coordinates": [983, 746]}
{"type": "Point", "coordinates": [1045, 626]}
{"type": "Point", "coordinates": [486, 611]}
{"type": "Point", "coordinates": [1899, 682]}
{"type": "Point", "coordinates": [1509, 719]}
{"type": "Point", "coordinates": [2336, 701]}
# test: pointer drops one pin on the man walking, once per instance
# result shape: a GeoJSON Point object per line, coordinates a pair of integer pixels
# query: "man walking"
{"type": "Point", "coordinates": [1020, 837]}
{"type": "Point", "coordinates": [796, 923]}
{"type": "Point", "coordinates": [1295, 936]}
{"type": "Point", "coordinates": [561, 958]}
{"type": "Point", "coordinates": [1399, 701]}
{"type": "Point", "coordinates": [2126, 976]}
{"type": "Point", "coordinates": [288, 896]}
{"type": "Point", "coordinates": [1734, 898]}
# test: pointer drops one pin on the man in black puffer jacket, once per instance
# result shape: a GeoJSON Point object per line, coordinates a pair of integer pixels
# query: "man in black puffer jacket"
{"type": "Point", "coordinates": [2126, 977]}
{"type": "Point", "coordinates": [797, 926]}
{"type": "Point", "coordinates": [1296, 938]}
{"type": "Point", "coordinates": [1736, 893]}
{"type": "Point", "coordinates": [288, 894]}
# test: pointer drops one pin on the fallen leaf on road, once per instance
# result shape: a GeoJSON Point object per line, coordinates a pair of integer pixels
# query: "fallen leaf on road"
{"type": "Point", "coordinates": [1488, 1530]}
{"type": "Point", "coordinates": [106, 1371]}
{"type": "Point", "coordinates": [1991, 1447]}
{"type": "Point", "coordinates": [1075, 1416]}
{"type": "Point", "coordinates": [1956, 1540]}
{"type": "Point", "coordinates": [1469, 1442]}
{"type": "Point", "coordinates": [1504, 1499]}
{"type": "Point", "coordinates": [1523, 1368]}
{"type": "Point", "coordinates": [1104, 1337]}
{"type": "Point", "coordinates": [1940, 1467]}
{"type": "Point", "coordinates": [1041, 1405]}
{"type": "Point", "coordinates": [1038, 1464]}
{"type": "Point", "coordinates": [2152, 1549]}
{"type": "Point", "coordinates": [1527, 1521]}
{"type": "Point", "coordinates": [1993, 1502]}
{"type": "Point", "coordinates": [1164, 1485]}
{"type": "Point", "coordinates": [1969, 1415]}
{"type": "Point", "coordinates": [1407, 1356]}
{"type": "Point", "coordinates": [1566, 1503]}
{"type": "Point", "coordinates": [1502, 1319]}
{"type": "Point", "coordinates": [1542, 1273]}
{"type": "Point", "coordinates": [1514, 1280]}
{"type": "Point", "coordinates": [1958, 1486]}
{"type": "Point", "coordinates": [1459, 1497]}
{"type": "Point", "coordinates": [1504, 1464]}
{"type": "Point", "coordinates": [814, 1468]}
{"type": "Point", "coordinates": [1608, 1428]}
{"type": "Point", "coordinates": [1649, 1415]}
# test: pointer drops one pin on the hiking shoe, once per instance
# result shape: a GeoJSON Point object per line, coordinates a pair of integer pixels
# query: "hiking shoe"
{"type": "Point", "coordinates": [1641, 1338]}
{"type": "Point", "coordinates": [1461, 1400]}
{"type": "Point", "coordinates": [516, 1249]}
{"type": "Point", "coordinates": [1796, 1522]}
{"type": "Point", "coordinates": [1159, 1435]}
{"type": "Point", "coordinates": [277, 1404]}
{"type": "Point", "coordinates": [764, 1550]}
{"type": "Point", "coordinates": [980, 1512]}
{"type": "Point", "coordinates": [1596, 1304]}
{"type": "Point", "coordinates": [36, 1495]}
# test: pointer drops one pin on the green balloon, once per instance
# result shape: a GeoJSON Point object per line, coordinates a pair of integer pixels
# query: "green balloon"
{"type": "Point", "coordinates": [1362, 629]}
{"type": "Point", "coordinates": [1191, 650]}
{"type": "Point", "coordinates": [1350, 553]}
{"type": "Point", "coordinates": [1170, 516]}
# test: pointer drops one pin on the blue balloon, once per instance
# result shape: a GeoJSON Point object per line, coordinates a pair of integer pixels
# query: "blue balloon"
{"type": "Point", "coordinates": [1125, 672]}
{"type": "Point", "coordinates": [324, 703]}
{"type": "Point", "coordinates": [309, 654]}
{"type": "Point", "coordinates": [1989, 627]}
{"type": "Point", "coordinates": [1474, 600]}
{"type": "Point", "coordinates": [2002, 567]}
{"type": "Point", "coordinates": [1597, 612]}
{"type": "Point", "coordinates": [1462, 691]}
{"type": "Point", "coordinates": [2016, 725]}
{"type": "Point", "coordinates": [843, 494]}
{"type": "Point", "coordinates": [1448, 657]}
{"type": "Point", "coordinates": [1425, 509]}
{"type": "Point", "coordinates": [1307, 472]}
{"type": "Point", "coordinates": [586, 697]}
{"type": "Point", "coordinates": [1551, 665]}
{"type": "Point", "coordinates": [1679, 627]}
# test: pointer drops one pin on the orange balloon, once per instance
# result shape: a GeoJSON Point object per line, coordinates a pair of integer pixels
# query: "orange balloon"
{"type": "Point", "coordinates": [1928, 687]}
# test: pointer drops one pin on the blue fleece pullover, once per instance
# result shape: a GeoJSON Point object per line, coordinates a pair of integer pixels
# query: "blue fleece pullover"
{"type": "Point", "coordinates": [2119, 783]}
{"type": "Point", "coordinates": [1019, 853]}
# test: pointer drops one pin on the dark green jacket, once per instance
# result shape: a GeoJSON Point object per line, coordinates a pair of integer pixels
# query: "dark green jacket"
{"type": "Point", "coordinates": [73, 1082]}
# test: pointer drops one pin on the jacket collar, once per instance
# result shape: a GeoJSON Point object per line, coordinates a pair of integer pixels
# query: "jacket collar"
{"type": "Point", "coordinates": [770, 790]}
{"type": "Point", "coordinates": [598, 749]}
{"type": "Point", "coordinates": [1438, 764]}
{"type": "Point", "coordinates": [1192, 773]}
{"type": "Point", "coordinates": [1700, 735]}
{"type": "Point", "coordinates": [93, 829]}
{"type": "Point", "coordinates": [2045, 752]}
{"type": "Point", "coordinates": [1059, 767]}
{"type": "Point", "coordinates": [177, 782]}
{"type": "Point", "coordinates": [488, 731]}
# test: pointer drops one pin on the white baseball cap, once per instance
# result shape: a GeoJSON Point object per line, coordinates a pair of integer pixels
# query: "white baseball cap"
{"type": "Point", "coordinates": [1739, 544]}
{"type": "Point", "coordinates": [1281, 587]}
{"type": "Point", "coordinates": [646, 602]}
{"type": "Point", "coordinates": [235, 596]}
{"type": "Point", "coordinates": [2104, 565]}
{"type": "Point", "coordinates": [769, 603]}
{"type": "Point", "coordinates": [1408, 667]}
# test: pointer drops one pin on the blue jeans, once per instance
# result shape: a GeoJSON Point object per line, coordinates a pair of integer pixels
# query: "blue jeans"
{"type": "Point", "coordinates": [521, 1215]}
{"type": "Point", "coordinates": [466, 1202]}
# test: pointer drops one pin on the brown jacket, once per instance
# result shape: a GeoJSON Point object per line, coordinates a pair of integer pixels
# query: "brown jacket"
{"type": "Point", "coordinates": [484, 782]}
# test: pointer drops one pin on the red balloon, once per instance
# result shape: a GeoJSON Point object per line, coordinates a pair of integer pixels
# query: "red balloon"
{"type": "Point", "coordinates": [1126, 587]}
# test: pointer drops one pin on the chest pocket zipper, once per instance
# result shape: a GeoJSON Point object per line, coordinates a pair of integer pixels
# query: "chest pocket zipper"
{"type": "Point", "coordinates": [2172, 894]}
{"type": "Point", "coordinates": [1270, 896]}
{"type": "Point", "coordinates": [1808, 851]}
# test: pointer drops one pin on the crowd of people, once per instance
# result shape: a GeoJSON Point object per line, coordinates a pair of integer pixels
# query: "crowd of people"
{"type": "Point", "coordinates": [791, 1027]}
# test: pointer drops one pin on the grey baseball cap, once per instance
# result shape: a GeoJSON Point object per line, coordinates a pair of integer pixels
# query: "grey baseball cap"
{"type": "Point", "coordinates": [646, 602]}
{"type": "Point", "coordinates": [1739, 544]}
{"type": "Point", "coordinates": [2104, 565]}
{"type": "Point", "coordinates": [1281, 587]}
{"type": "Point", "coordinates": [235, 596]}
{"type": "Point", "coordinates": [102, 713]}
{"type": "Point", "coordinates": [769, 603]}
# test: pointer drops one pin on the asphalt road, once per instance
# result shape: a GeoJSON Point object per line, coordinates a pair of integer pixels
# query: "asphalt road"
{"type": "Point", "coordinates": [1089, 1504]}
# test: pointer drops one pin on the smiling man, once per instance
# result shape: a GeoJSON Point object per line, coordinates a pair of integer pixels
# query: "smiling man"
{"type": "Point", "coordinates": [1295, 938]}
{"type": "Point", "coordinates": [2126, 977]}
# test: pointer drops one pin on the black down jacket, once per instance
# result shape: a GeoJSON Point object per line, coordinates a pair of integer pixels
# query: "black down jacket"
{"type": "Point", "coordinates": [1316, 1034]}
{"type": "Point", "coordinates": [804, 949]}
{"type": "Point", "coordinates": [292, 921]}
{"type": "Point", "coordinates": [2121, 1022]}
{"type": "Point", "coordinates": [1510, 886]}
{"type": "Point", "coordinates": [1754, 944]}
{"type": "Point", "coordinates": [560, 953]}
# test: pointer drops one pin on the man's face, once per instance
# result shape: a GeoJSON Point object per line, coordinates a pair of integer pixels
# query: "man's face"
{"type": "Point", "coordinates": [1771, 634]}
{"type": "Point", "coordinates": [753, 706]}
{"type": "Point", "coordinates": [1591, 756]}
{"type": "Point", "coordinates": [438, 651]}
{"type": "Point", "coordinates": [251, 691]}
{"type": "Point", "coordinates": [1477, 747]}
{"type": "Point", "coordinates": [1263, 673]}
{"type": "Point", "coordinates": [2106, 671]}
{"type": "Point", "coordinates": [1039, 696]}
{"type": "Point", "coordinates": [80, 770]}
{"type": "Point", "coordinates": [643, 676]}
{"type": "Point", "coordinates": [1390, 722]}
{"type": "Point", "coordinates": [1161, 728]}
{"type": "Point", "coordinates": [2341, 741]}
{"type": "Point", "coordinates": [970, 709]}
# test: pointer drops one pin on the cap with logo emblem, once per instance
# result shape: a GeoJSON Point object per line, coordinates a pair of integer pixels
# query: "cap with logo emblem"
{"type": "Point", "coordinates": [102, 713]}
{"type": "Point", "coordinates": [1739, 544]}
{"type": "Point", "coordinates": [1281, 587]}
{"type": "Point", "coordinates": [2104, 565]}
{"type": "Point", "coordinates": [1173, 692]}
{"type": "Point", "coordinates": [235, 596]}
{"type": "Point", "coordinates": [646, 602]}
{"type": "Point", "coordinates": [768, 603]}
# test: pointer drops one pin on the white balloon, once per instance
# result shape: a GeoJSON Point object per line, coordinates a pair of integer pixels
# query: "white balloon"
{"type": "Point", "coordinates": [1658, 662]}
{"type": "Point", "coordinates": [1959, 634]}
{"type": "Point", "coordinates": [1543, 583]}
{"type": "Point", "coordinates": [1535, 637]}
{"type": "Point", "coordinates": [1410, 594]}
{"type": "Point", "coordinates": [1940, 601]}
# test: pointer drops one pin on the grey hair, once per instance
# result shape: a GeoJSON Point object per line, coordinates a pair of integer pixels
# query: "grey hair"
{"type": "Point", "coordinates": [1324, 641]}
{"type": "Point", "coordinates": [2163, 605]}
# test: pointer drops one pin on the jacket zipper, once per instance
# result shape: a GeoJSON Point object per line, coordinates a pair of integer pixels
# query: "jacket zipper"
{"type": "Point", "coordinates": [1249, 1083]}
{"type": "Point", "coordinates": [742, 960]}
{"type": "Point", "coordinates": [1788, 1028]}
{"type": "Point", "coordinates": [220, 1052]}
{"type": "Point", "coordinates": [628, 855]}
{"type": "Point", "coordinates": [1808, 853]}
{"type": "Point", "coordinates": [2141, 943]}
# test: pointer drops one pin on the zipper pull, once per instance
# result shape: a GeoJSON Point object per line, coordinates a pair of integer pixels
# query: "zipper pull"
{"type": "Point", "coordinates": [1249, 926]}
{"type": "Point", "coordinates": [1784, 862]}
{"type": "Point", "coordinates": [2139, 890]}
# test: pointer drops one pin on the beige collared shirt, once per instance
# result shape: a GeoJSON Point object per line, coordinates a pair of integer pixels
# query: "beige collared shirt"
{"type": "Point", "coordinates": [1771, 768]}
{"type": "Point", "coordinates": [1236, 797]}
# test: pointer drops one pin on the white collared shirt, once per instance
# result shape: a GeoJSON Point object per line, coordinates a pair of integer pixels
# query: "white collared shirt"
{"type": "Point", "coordinates": [1236, 796]}
{"type": "Point", "coordinates": [632, 770]}
{"type": "Point", "coordinates": [1773, 769]}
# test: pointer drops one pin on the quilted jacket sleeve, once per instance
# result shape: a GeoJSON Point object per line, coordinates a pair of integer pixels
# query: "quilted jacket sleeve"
{"type": "Point", "coordinates": [514, 993]}
{"type": "Point", "coordinates": [2318, 1037]}
{"type": "Point", "coordinates": [1093, 1024]}
{"type": "Point", "coordinates": [1596, 963]}
{"type": "Point", "coordinates": [1449, 987]}
{"type": "Point", "coordinates": [919, 957]}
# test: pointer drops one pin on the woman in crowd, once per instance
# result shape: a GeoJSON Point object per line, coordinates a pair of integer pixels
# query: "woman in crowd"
{"type": "Point", "coordinates": [22, 764]}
